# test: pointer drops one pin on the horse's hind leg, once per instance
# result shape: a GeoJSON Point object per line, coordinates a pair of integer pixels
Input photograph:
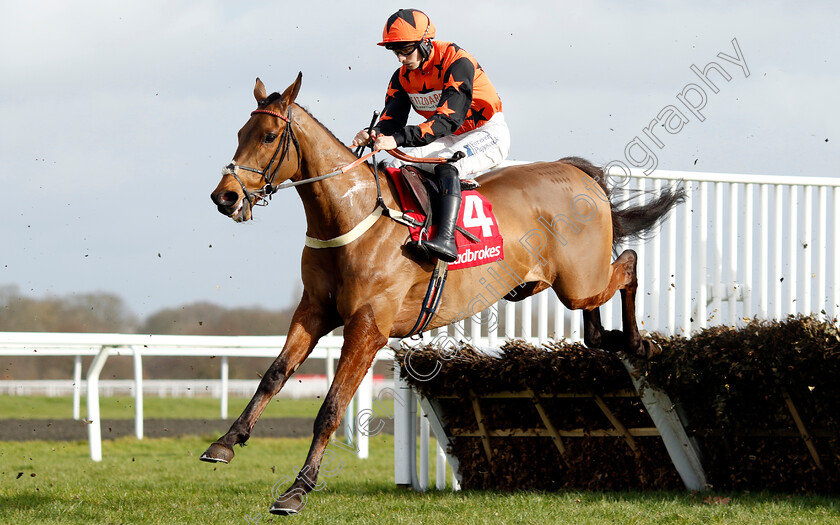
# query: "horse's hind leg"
{"type": "Point", "coordinates": [305, 330]}
{"type": "Point", "coordinates": [593, 330]}
{"type": "Point", "coordinates": [362, 340]}
{"type": "Point", "coordinates": [633, 338]}
{"type": "Point", "coordinates": [628, 303]}
{"type": "Point", "coordinates": [594, 335]}
{"type": "Point", "coordinates": [628, 339]}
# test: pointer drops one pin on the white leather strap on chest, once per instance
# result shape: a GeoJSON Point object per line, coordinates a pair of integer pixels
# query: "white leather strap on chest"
{"type": "Point", "coordinates": [347, 238]}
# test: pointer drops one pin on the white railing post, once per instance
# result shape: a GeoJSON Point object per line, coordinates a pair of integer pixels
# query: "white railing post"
{"type": "Point", "coordinates": [225, 380]}
{"type": "Point", "coordinates": [670, 284]}
{"type": "Point", "coordinates": [793, 250]}
{"type": "Point", "coordinates": [703, 258]}
{"type": "Point", "coordinates": [423, 480]}
{"type": "Point", "coordinates": [542, 316]}
{"type": "Point", "coordinates": [575, 321]}
{"type": "Point", "coordinates": [349, 417]}
{"type": "Point", "coordinates": [749, 277]}
{"type": "Point", "coordinates": [835, 285]}
{"type": "Point", "coordinates": [440, 468]}
{"type": "Point", "coordinates": [364, 411]}
{"type": "Point", "coordinates": [688, 267]}
{"type": "Point", "coordinates": [493, 326]}
{"type": "Point", "coordinates": [525, 321]}
{"type": "Point", "coordinates": [717, 256]}
{"type": "Point", "coordinates": [559, 321]}
{"type": "Point", "coordinates": [764, 250]}
{"type": "Point", "coordinates": [641, 270]}
{"type": "Point", "coordinates": [777, 252]}
{"type": "Point", "coordinates": [77, 387]}
{"type": "Point", "coordinates": [654, 291]}
{"type": "Point", "coordinates": [808, 249]}
{"type": "Point", "coordinates": [138, 391]}
{"type": "Point", "coordinates": [475, 330]}
{"type": "Point", "coordinates": [731, 285]}
{"type": "Point", "coordinates": [405, 413]}
{"type": "Point", "coordinates": [822, 253]}
{"type": "Point", "coordinates": [510, 320]}
{"type": "Point", "coordinates": [94, 422]}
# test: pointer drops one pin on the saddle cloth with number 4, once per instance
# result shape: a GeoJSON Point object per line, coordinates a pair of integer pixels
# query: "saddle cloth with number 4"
{"type": "Point", "coordinates": [476, 217]}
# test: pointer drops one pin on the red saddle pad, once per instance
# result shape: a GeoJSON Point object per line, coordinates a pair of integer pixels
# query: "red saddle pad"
{"type": "Point", "coordinates": [475, 216]}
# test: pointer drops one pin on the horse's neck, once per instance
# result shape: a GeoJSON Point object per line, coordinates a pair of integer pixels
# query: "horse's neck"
{"type": "Point", "coordinates": [335, 205]}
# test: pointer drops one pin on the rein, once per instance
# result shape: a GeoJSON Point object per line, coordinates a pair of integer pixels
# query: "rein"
{"type": "Point", "coordinates": [262, 196]}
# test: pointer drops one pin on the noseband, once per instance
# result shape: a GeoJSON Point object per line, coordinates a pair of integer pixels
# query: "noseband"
{"type": "Point", "coordinates": [261, 196]}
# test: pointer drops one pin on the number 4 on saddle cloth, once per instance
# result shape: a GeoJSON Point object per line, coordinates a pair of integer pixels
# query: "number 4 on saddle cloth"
{"type": "Point", "coordinates": [477, 236]}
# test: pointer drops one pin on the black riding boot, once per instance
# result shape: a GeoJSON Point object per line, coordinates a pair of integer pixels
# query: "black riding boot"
{"type": "Point", "coordinates": [443, 245]}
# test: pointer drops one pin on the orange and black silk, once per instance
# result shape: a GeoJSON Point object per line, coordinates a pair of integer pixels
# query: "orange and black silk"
{"type": "Point", "coordinates": [449, 89]}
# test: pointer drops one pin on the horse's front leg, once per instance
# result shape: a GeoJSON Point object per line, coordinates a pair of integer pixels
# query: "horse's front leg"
{"type": "Point", "coordinates": [307, 327]}
{"type": "Point", "coordinates": [362, 340]}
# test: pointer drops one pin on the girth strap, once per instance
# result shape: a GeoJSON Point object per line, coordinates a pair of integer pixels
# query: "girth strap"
{"type": "Point", "coordinates": [432, 299]}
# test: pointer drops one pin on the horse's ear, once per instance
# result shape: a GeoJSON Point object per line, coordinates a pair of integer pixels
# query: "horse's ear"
{"type": "Point", "coordinates": [291, 92]}
{"type": "Point", "coordinates": [259, 91]}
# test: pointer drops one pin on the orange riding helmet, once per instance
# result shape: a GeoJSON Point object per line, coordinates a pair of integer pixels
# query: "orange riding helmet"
{"type": "Point", "coordinates": [407, 25]}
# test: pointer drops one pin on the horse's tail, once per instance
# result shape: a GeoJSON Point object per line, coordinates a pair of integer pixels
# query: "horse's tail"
{"type": "Point", "coordinates": [633, 222]}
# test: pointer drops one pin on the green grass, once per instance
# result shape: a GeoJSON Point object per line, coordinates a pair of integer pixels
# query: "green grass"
{"type": "Point", "coordinates": [42, 407]}
{"type": "Point", "coordinates": [162, 481]}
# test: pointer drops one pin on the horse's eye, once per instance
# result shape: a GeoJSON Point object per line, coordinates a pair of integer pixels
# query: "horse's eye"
{"type": "Point", "coordinates": [269, 138]}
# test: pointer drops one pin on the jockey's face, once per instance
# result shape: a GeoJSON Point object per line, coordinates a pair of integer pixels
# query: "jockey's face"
{"type": "Point", "coordinates": [411, 60]}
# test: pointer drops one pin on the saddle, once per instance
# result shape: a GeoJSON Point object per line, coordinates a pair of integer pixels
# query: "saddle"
{"type": "Point", "coordinates": [416, 190]}
{"type": "Point", "coordinates": [424, 189]}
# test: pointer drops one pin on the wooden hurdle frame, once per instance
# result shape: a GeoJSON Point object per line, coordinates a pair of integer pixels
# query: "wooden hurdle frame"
{"type": "Point", "coordinates": [682, 450]}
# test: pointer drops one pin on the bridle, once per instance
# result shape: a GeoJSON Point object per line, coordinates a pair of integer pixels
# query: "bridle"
{"type": "Point", "coordinates": [261, 196]}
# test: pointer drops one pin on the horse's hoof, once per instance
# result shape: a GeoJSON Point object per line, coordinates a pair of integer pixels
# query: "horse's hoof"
{"type": "Point", "coordinates": [649, 348]}
{"type": "Point", "coordinates": [218, 453]}
{"type": "Point", "coordinates": [290, 503]}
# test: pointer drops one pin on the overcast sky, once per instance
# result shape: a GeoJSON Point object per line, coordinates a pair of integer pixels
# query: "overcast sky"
{"type": "Point", "coordinates": [117, 117]}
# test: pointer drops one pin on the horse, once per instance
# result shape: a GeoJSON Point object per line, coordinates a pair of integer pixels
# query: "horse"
{"type": "Point", "coordinates": [373, 286]}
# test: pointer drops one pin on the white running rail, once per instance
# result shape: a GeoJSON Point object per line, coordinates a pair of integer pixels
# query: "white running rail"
{"type": "Point", "coordinates": [102, 346]}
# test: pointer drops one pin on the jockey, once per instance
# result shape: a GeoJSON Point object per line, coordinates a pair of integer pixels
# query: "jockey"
{"type": "Point", "coordinates": [463, 112]}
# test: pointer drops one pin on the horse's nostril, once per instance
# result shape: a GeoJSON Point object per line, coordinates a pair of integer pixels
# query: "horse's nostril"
{"type": "Point", "coordinates": [229, 198]}
{"type": "Point", "coordinates": [225, 198]}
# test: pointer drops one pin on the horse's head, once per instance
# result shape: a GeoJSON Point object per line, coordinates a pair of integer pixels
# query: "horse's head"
{"type": "Point", "coordinates": [268, 153]}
